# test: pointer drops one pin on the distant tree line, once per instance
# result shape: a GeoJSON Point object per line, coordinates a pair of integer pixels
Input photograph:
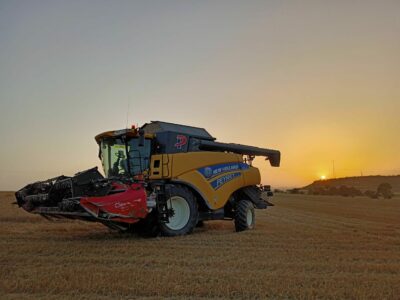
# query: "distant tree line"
{"type": "Point", "coordinates": [384, 190]}
{"type": "Point", "coordinates": [343, 190]}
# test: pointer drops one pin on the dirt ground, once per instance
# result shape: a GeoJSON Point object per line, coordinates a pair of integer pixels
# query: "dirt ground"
{"type": "Point", "coordinates": [304, 247]}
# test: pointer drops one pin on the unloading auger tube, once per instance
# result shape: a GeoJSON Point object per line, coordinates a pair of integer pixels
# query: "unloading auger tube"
{"type": "Point", "coordinates": [274, 156]}
{"type": "Point", "coordinates": [161, 178]}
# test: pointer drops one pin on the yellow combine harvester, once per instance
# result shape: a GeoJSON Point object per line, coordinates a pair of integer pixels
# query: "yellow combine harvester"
{"type": "Point", "coordinates": [161, 178]}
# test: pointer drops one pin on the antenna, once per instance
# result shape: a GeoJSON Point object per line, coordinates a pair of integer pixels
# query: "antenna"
{"type": "Point", "coordinates": [333, 169]}
{"type": "Point", "coordinates": [127, 114]}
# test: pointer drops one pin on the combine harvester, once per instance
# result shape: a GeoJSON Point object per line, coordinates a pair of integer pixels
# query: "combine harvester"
{"type": "Point", "coordinates": [161, 178]}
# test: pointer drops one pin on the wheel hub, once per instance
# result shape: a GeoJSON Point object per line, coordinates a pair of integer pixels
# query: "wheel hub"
{"type": "Point", "coordinates": [249, 218]}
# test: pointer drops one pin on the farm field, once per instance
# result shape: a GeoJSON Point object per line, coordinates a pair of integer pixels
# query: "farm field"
{"type": "Point", "coordinates": [303, 247]}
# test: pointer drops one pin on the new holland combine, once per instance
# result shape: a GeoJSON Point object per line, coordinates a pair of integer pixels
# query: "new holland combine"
{"type": "Point", "coordinates": [161, 178]}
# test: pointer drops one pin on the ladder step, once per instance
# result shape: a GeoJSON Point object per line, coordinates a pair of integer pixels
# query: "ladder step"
{"type": "Point", "coordinates": [162, 205]}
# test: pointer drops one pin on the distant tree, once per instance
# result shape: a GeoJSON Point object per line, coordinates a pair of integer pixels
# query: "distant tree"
{"type": "Point", "coordinates": [385, 190]}
{"type": "Point", "coordinates": [317, 191]}
{"type": "Point", "coordinates": [344, 191]}
{"type": "Point", "coordinates": [297, 191]}
{"type": "Point", "coordinates": [294, 191]}
{"type": "Point", "coordinates": [333, 191]}
{"type": "Point", "coordinates": [353, 192]}
{"type": "Point", "coordinates": [371, 194]}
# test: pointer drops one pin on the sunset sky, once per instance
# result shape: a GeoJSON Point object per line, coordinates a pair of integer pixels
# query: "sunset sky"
{"type": "Point", "coordinates": [318, 80]}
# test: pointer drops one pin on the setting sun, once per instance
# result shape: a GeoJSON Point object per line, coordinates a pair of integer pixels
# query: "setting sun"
{"type": "Point", "coordinates": [323, 177]}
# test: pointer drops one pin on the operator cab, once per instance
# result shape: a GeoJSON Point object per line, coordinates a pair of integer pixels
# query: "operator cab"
{"type": "Point", "coordinates": [124, 153]}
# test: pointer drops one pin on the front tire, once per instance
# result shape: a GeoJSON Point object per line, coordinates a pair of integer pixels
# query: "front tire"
{"type": "Point", "coordinates": [183, 205]}
{"type": "Point", "coordinates": [244, 216]}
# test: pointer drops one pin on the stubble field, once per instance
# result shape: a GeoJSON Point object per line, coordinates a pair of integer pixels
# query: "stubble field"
{"type": "Point", "coordinates": [304, 247]}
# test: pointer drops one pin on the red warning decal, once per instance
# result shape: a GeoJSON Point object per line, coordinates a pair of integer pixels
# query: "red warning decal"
{"type": "Point", "coordinates": [181, 140]}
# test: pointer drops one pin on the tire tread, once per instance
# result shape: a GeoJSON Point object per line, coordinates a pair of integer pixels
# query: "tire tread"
{"type": "Point", "coordinates": [241, 215]}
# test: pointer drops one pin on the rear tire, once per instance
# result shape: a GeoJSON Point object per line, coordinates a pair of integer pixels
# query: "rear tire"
{"type": "Point", "coordinates": [244, 216]}
{"type": "Point", "coordinates": [185, 212]}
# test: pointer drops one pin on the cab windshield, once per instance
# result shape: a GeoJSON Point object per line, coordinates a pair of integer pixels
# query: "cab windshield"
{"type": "Point", "coordinates": [120, 158]}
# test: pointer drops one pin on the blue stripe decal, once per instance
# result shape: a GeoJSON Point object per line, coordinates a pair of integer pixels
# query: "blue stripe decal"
{"type": "Point", "coordinates": [212, 171]}
{"type": "Point", "coordinates": [217, 183]}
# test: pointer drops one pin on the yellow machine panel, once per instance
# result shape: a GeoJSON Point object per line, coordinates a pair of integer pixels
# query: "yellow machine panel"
{"type": "Point", "coordinates": [214, 175]}
{"type": "Point", "coordinates": [160, 166]}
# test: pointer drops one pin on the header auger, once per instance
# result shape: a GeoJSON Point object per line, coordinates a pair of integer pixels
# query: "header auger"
{"type": "Point", "coordinates": [159, 178]}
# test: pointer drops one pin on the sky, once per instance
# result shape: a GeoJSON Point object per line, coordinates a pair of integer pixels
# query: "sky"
{"type": "Point", "coordinates": [317, 80]}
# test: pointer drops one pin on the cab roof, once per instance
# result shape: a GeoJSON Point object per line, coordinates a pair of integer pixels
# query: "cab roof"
{"type": "Point", "coordinates": [134, 132]}
{"type": "Point", "coordinates": [155, 127]}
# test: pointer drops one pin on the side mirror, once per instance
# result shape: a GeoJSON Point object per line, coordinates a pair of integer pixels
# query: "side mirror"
{"type": "Point", "coordinates": [141, 138]}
